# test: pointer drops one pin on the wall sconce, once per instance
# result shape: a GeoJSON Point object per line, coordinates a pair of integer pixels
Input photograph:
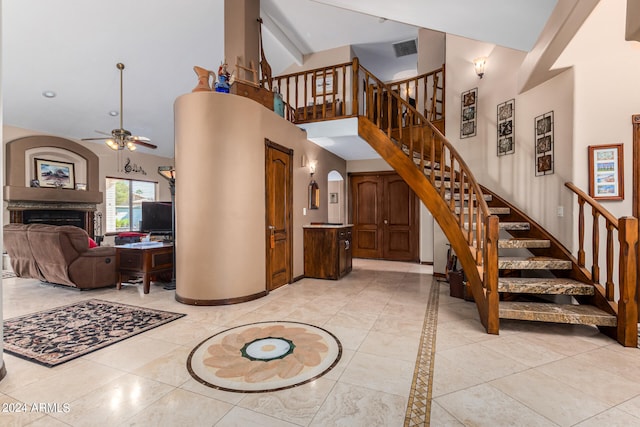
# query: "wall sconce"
{"type": "Point", "coordinates": [479, 64]}
{"type": "Point", "coordinates": [312, 166]}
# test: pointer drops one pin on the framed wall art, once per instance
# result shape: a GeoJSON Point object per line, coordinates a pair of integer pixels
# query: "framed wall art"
{"type": "Point", "coordinates": [506, 127]}
{"type": "Point", "coordinates": [53, 173]}
{"type": "Point", "coordinates": [544, 144]}
{"type": "Point", "coordinates": [606, 172]}
{"type": "Point", "coordinates": [468, 113]}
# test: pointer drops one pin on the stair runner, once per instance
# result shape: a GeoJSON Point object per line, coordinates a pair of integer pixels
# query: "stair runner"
{"type": "Point", "coordinates": [533, 288]}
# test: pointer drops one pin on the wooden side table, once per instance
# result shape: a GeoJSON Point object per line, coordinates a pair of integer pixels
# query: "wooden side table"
{"type": "Point", "coordinates": [144, 259]}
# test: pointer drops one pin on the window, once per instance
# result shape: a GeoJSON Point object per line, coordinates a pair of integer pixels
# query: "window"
{"type": "Point", "coordinates": [124, 199]}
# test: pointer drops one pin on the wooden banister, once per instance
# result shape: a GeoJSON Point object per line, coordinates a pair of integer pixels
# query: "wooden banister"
{"type": "Point", "coordinates": [627, 230]}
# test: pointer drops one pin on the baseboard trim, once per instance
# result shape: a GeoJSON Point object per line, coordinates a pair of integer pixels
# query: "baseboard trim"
{"type": "Point", "coordinates": [298, 278]}
{"type": "Point", "coordinates": [441, 275]}
{"type": "Point", "coordinates": [427, 263]}
{"type": "Point", "coordinates": [226, 301]}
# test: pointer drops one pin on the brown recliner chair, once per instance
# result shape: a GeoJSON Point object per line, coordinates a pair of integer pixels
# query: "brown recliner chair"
{"type": "Point", "coordinates": [60, 255]}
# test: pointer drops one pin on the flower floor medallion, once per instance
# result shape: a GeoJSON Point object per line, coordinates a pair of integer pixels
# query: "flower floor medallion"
{"type": "Point", "coordinates": [264, 356]}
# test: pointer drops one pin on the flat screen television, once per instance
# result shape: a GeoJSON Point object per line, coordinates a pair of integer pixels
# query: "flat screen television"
{"type": "Point", "coordinates": [156, 217]}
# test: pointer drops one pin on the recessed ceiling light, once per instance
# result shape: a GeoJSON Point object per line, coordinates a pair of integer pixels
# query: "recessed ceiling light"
{"type": "Point", "coordinates": [49, 94]}
{"type": "Point", "coordinates": [113, 113]}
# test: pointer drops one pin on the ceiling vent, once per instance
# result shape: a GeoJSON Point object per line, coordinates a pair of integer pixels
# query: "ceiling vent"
{"type": "Point", "coordinates": [405, 48]}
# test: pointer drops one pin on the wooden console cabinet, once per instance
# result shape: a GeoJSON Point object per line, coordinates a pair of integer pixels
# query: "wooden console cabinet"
{"type": "Point", "coordinates": [144, 259]}
{"type": "Point", "coordinates": [327, 251]}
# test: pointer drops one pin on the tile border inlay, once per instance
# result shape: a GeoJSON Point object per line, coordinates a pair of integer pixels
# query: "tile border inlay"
{"type": "Point", "coordinates": [419, 405]}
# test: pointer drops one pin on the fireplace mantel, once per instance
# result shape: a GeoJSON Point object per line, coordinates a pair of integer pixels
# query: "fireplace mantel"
{"type": "Point", "coordinates": [51, 195]}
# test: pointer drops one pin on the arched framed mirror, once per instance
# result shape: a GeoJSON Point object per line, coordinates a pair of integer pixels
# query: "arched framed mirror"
{"type": "Point", "coordinates": [335, 198]}
{"type": "Point", "coordinates": [314, 195]}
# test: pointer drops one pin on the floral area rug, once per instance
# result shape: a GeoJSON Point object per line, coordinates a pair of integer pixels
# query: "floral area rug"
{"type": "Point", "coordinates": [60, 334]}
{"type": "Point", "coordinates": [264, 356]}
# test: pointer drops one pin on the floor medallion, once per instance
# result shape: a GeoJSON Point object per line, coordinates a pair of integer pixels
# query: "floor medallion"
{"type": "Point", "coordinates": [264, 356]}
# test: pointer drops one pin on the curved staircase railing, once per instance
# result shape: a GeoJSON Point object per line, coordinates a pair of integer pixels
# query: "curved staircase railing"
{"type": "Point", "coordinates": [422, 155]}
{"type": "Point", "coordinates": [390, 119]}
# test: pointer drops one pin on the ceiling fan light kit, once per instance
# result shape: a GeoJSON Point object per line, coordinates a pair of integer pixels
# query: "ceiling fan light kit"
{"type": "Point", "coordinates": [122, 138]}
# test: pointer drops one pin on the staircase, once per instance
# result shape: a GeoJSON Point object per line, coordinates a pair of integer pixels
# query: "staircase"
{"type": "Point", "coordinates": [514, 268]}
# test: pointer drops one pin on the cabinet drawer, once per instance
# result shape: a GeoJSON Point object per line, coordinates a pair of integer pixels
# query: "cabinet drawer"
{"type": "Point", "coordinates": [130, 260]}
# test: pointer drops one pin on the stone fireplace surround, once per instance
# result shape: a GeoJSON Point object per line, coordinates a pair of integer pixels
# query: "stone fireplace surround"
{"type": "Point", "coordinates": [51, 205]}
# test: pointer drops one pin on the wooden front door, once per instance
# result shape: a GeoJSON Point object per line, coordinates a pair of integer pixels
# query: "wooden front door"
{"type": "Point", "coordinates": [385, 216]}
{"type": "Point", "coordinates": [278, 227]}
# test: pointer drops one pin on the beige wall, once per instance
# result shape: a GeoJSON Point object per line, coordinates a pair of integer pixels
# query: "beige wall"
{"type": "Point", "coordinates": [513, 176]}
{"type": "Point", "coordinates": [220, 203]}
{"type": "Point", "coordinates": [431, 50]}
{"type": "Point", "coordinates": [109, 167]}
{"type": "Point", "coordinates": [241, 30]}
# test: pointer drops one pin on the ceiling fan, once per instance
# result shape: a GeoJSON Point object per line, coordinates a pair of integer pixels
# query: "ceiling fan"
{"type": "Point", "coordinates": [119, 139]}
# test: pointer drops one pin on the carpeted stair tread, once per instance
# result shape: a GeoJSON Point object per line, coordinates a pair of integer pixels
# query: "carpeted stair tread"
{"type": "Point", "coordinates": [556, 313]}
{"type": "Point", "coordinates": [506, 225]}
{"type": "Point", "coordinates": [523, 243]}
{"type": "Point", "coordinates": [456, 196]}
{"type": "Point", "coordinates": [493, 210]}
{"type": "Point", "coordinates": [546, 286]}
{"type": "Point", "coordinates": [533, 263]}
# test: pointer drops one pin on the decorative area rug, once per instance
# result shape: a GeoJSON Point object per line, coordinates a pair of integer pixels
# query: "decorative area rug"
{"type": "Point", "coordinates": [6, 274]}
{"type": "Point", "coordinates": [61, 334]}
{"type": "Point", "coordinates": [264, 356]}
{"type": "Point", "coordinates": [419, 406]}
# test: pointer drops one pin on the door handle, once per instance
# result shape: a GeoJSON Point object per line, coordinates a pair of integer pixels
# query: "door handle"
{"type": "Point", "coordinates": [386, 222]}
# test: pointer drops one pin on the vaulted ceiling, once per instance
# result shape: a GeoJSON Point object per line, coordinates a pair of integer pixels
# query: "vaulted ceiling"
{"type": "Point", "coordinates": [71, 47]}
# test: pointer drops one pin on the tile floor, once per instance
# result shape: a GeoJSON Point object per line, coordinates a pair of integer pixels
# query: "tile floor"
{"type": "Point", "coordinates": [531, 374]}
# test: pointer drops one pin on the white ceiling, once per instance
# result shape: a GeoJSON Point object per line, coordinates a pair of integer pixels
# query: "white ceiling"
{"type": "Point", "coordinates": [71, 47]}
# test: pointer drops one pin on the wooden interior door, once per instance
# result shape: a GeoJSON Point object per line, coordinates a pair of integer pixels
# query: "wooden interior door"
{"type": "Point", "coordinates": [279, 200]}
{"type": "Point", "coordinates": [385, 217]}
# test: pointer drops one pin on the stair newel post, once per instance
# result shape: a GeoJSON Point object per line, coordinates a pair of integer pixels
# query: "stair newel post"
{"type": "Point", "coordinates": [595, 269]}
{"type": "Point", "coordinates": [628, 305]}
{"type": "Point", "coordinates": [490, 266]}
{"type": "Point", "coordinates": [581, 232]}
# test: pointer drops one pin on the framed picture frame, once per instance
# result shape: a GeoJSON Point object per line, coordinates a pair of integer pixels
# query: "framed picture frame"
{"type": "Point", "coordinates": [324, 83]}
{"type": "Point", "coordinates": [54, 173]}
{"type": "Point", "coordinates": [468, 113]}
{"type": "Point", "coordinates": [606, 172]}
{"type": "Point", "coordinates": [543, 140]}
{"type": "Point", "coordinates": [506, 127]}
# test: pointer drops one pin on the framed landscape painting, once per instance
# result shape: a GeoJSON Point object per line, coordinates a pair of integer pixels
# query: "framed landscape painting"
{"type": "Point", "coordinates": [606, 172]}
{"type": "Point", "coordinates": [53, 173]}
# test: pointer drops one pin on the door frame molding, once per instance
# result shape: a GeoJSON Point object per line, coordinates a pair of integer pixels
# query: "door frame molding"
{"type": "Point", "coordinates": [289, 151]}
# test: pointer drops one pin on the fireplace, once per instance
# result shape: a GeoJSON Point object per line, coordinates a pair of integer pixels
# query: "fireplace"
{"type": "Point", "coordinates": [55, 217]}
{"type": "Point", "coordinates": [79, 215]}
{"type": "Point", "coordinates": [28, 205]}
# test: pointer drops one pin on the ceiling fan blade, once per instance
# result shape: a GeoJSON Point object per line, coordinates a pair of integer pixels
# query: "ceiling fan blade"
{"type": "Point", "coordinates": [144, 143]}
{"type": "Point", "coordinates": [140, 138]}
{"type": "Point", "coordinates": [103, 133]}
{"type": "Point", "coordinates": [94, 139]}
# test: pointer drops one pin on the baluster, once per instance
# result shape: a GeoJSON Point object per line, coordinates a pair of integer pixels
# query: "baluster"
{"type": "Point", "coordinates": [432, 158]}
{"type": "Point", "coordinates": [595, 269]}
{"type": "Point", "coordinates": [306, 96]}
{"type": "Point", "coordinates": [479, 234]}
{"type": "Point", "coordinates": [356, 81]}
{"type": "Point", "coordinates": [472, 209]}
{"type": "Point", "coordinates": [452, 177]}
{"type": "Point", "coordinates": [581, 232]}
{"type": "Point", "coordinates": [461, 216]}
{"type": "Point", "coordinates": [610, 286]}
